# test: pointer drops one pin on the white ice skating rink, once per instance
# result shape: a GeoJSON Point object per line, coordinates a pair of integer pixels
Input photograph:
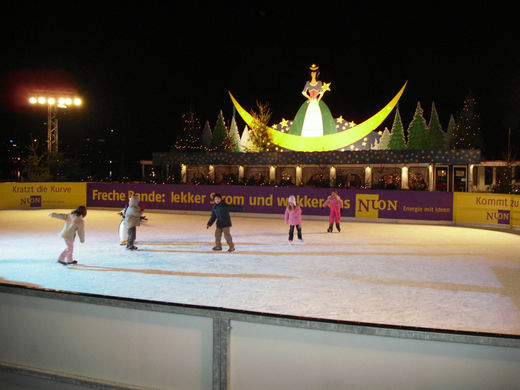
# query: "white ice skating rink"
{"type": "Point", "coordinates": [443, 277]}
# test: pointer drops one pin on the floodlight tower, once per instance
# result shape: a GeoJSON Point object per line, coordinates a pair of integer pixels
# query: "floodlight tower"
{"type": "Point", "coordinates": [53, 104]}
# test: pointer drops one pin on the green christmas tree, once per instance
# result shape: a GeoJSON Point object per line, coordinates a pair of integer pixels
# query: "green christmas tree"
{"type": "Point", "coordinates": [437, 136]}
{"type": "Point", "coordinates": [234, 136]}
{"type": "Point", "coordinates": [260, 138]}
{"type": "Point", "coordinates": [466, 133]}
{"type": "Point", "coordinates": [221, 141]}
{"type": "Point", "coordinates": [418, 137]}
{"type": "Point", "coordinates": [397, 140]}
{"type": "Point", "coordinates": [207, 136]}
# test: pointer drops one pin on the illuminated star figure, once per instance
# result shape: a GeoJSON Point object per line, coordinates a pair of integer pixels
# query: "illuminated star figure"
{"type": "Point", "coordinates": [326, 87]}
{"type": "Point", "coordinates": [313, 119]}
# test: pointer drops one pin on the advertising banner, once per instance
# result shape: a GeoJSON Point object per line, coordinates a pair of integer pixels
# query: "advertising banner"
{"type": "Point", "coordinates": [42, 195]}
{"type": "Point", "coordinates": [515, 210]}
{"type": "Point", "coordinates": [273, 200]}
{"type": "Point", "coordinates": [496, 209]}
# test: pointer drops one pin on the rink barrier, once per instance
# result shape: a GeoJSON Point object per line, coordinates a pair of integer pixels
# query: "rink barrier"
{"type": "Point", "coordinates": [120, 343]}
{"type": "Point", "coordinates": [461, 208]}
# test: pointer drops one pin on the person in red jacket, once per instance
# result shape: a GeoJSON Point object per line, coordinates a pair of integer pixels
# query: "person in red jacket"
{"type": "Point", "coordinates": [336, 204]}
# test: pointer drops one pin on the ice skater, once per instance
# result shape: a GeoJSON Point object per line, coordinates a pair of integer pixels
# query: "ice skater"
{"type": "Point", "coordinates": [293, 217]}
{"type": "Point", "coordinates": [220, 213]}
{"type": "Point", "coordinates": [73, 224]}
{"type": "Point", "coordinates": [132, 220]}
{"type": "Point", "coordinates": [123, 230]}
{"type": "Point", "coordinates": [336, 204]}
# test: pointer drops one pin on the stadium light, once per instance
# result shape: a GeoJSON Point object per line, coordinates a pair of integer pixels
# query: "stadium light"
{"type": "Point", "coordinates": [54, 102]}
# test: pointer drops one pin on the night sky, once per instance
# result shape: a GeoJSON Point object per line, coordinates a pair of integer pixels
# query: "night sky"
{"type": "Point", "coordinates": [139, 68]}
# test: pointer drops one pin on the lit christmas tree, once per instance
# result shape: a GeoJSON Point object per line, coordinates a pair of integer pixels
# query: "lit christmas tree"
{"type": "Point", "coordinates": [397, 140]}
{"type": "Point", "coordinates": [260, 138]}
{"type": "Point", "coordinates": [437, 136]}
{"type": "Point", "coordinates": [221, 141]}
{"type": "Point", "coordinates": [466, 133]}
{"type": "Point", "coordinates": [245, 139]}
{"type": "Point", "coordinates": [384, 140]}
{"type": "Point", "coordinates": [207, 136]}
{"type": "Point", "coordinates": [189, 140]}
{"type": "Point", "coordinates": [418, 131]}
{"type": "Point", "coordinates": [234, 136]}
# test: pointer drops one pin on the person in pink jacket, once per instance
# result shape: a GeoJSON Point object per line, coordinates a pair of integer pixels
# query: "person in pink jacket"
{"type": "Point", "coordinates": [73, 225]}
{"type": "Point", "coordinates": [293, 217]}
{"type": "Point", "coordinates": [336, 204]}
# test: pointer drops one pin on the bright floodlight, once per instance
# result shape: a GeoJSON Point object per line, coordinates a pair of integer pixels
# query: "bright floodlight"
{"type": "Point", "coordinates": [42, 100]}
{"type": "Point", "coordinates": [51, 100]}
{"type": "Point", "coordinates": [33, 100]}
{"type": "Point", "coordinates": [77, 101]}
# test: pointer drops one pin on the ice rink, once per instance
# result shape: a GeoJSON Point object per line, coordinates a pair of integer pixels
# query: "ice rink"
{"type": "Point", "coordinates": [433, 276]}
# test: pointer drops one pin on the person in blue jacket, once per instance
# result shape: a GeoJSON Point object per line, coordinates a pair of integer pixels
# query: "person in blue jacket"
{"type": "Point", "coordinates": [220, 213]}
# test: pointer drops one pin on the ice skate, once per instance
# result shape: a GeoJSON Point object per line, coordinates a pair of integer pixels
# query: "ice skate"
{"type": "Point", "coordinates": [338, 227]}
{"type": "Point", "coordinates": [330, 228]}
{"type": "Point", "coordinates": [131, 248]}
{"type": "Point", "coordinates": [217, 248]}
{"type": "Point", "coordinates": [231, 249]}
{"type": "Point", "coordinates": [290, 242]}
{"type": "Point", "coordinates": [301, 240]}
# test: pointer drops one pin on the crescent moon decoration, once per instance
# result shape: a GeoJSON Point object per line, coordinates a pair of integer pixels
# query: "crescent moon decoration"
{"type": "Point", "coordinates": [326, 142]}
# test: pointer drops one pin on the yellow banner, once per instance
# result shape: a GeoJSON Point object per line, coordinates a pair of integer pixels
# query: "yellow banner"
{"type": "Point", "coordinates": [42, 195]}
{"type": "Point", "coordinates": [499, 209]}
{"type": "Point", "coordinates": [515, 210]}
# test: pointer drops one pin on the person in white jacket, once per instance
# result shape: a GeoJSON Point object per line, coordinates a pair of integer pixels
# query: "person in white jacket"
{"type": "Point", "coordinates": [74, 224]}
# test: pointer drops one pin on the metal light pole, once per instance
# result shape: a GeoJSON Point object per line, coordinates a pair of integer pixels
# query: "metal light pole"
{"type": "Point", "coordinates": [52, 116]}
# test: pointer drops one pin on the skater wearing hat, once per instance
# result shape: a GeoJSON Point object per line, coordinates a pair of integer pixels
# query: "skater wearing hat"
{"type": "Point", "coordinates": [293, 217]}
{"type": "Point", "coordinates": [132, 220]}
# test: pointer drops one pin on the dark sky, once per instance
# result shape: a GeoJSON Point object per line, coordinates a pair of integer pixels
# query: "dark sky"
{"type": "Point", "coordinates": [140, 67]}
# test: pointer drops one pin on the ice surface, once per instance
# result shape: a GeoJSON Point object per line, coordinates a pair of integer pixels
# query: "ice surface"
{"type": "Point", "coordinates": [444, 277]}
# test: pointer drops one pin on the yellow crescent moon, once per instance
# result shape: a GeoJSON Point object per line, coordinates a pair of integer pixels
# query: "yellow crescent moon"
{"type": "Point", "coordinates": [325, 142]}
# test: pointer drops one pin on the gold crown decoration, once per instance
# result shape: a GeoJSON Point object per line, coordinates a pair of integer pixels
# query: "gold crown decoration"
{"type": "Point", "coordinates": [314, 67]}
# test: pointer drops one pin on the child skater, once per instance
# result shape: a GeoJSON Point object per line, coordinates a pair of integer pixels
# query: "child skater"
{"type": "Point", "coordinates": [293, 216]}
{"type": "Point", "coordinates": [123, 230]}
{"type": "Point", "coordinates": [220, 213]}
{"type": "Point", "coordinates": [336, 204]}
{"type": "Point", "coordinates": [73, 224]}
{"type": "Point", "coordinates": [132, 220]}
